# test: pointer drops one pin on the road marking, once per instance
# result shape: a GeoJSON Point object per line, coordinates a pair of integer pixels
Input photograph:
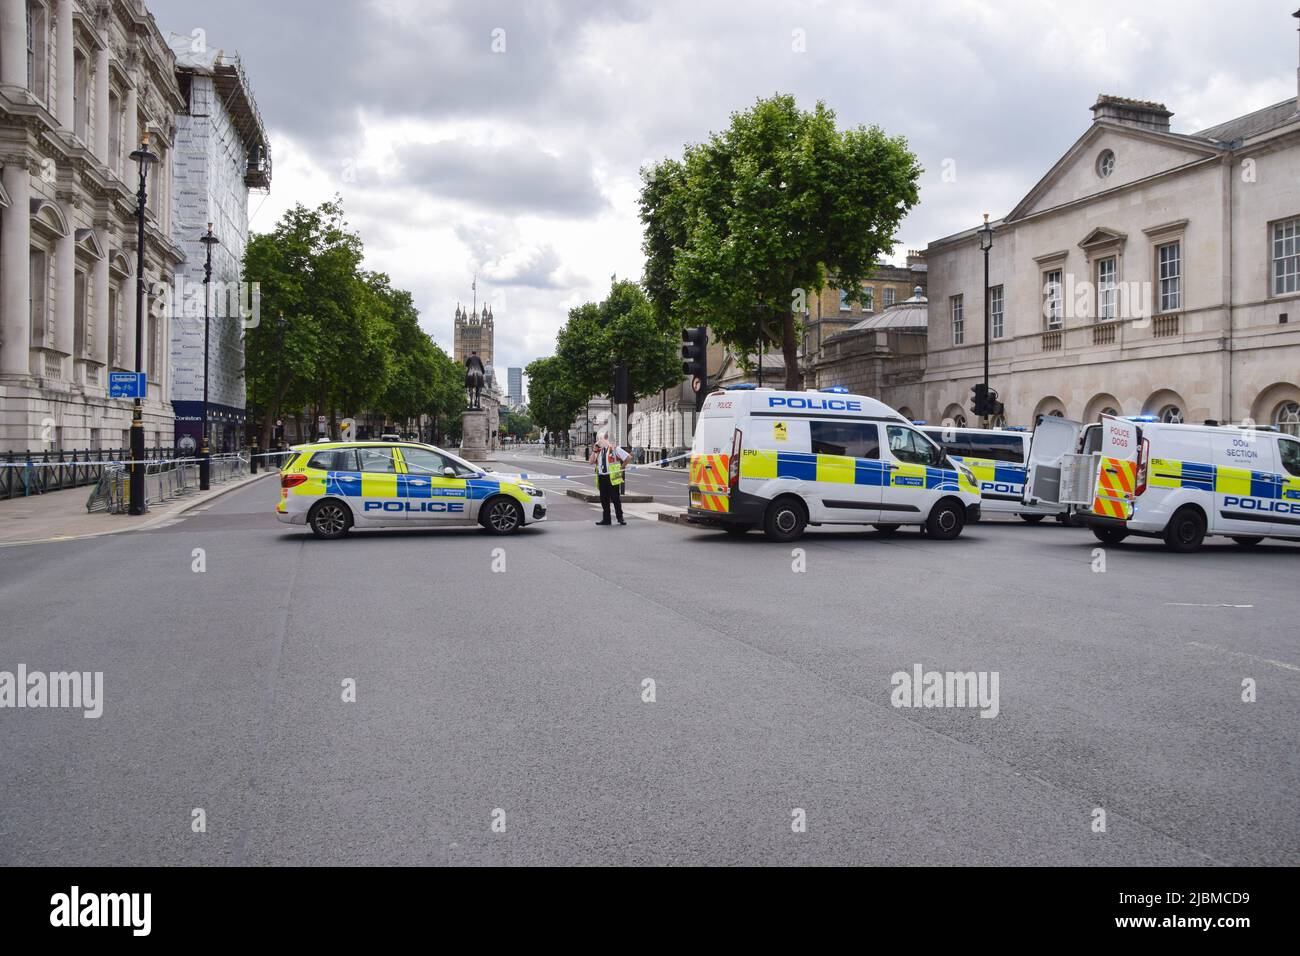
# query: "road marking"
{"type": "Point", "coordinates": [1262, 660]}
{"type": "Point", "coordinates": [1183, 604]}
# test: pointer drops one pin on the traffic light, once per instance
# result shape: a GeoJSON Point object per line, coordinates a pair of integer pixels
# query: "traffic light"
{"type": "Point", "coordinates": [622, 385]}
{"type": "Point", "coordinates": [985, 404]}
{"type": "Point", "coordinates": [695, 362]}
{"type": "Point", "coordinates": [995, 408]}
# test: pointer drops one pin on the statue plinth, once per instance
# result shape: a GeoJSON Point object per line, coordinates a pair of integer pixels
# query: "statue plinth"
{"type": "Point", "coordinates": [474, 434]}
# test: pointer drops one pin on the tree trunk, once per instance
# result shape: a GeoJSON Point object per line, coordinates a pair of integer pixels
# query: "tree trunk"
{"type": "Point", "coordinates": [790, 350]}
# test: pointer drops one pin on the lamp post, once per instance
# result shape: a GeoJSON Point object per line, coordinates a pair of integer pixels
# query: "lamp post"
{"type": "Point", "coordinates": [144, 159]}
{"type": "Point", "coordinates": [986, 243]}
{"type": "Point", "coordinates": [205, 454]}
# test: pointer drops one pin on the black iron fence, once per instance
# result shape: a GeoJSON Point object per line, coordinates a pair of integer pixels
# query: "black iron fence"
{"type": "Point", "coordinates": [36, 472]}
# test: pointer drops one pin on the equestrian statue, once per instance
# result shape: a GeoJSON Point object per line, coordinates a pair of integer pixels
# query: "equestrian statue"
{"type": "Point", "coordinates": [474, 378]}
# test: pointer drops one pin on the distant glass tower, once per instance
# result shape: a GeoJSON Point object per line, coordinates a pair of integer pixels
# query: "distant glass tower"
{"type": "Point", "coordinates": [514, 387]}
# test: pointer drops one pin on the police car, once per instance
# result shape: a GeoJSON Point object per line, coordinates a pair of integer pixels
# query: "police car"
{"type": "Point", "coordinates": [333, 487]}
{"type": "Point", "coordinates": [998, 458]}
{"type": "Point", "coordinates": [1138, 476]}
{"type": "Point", "coordinates": [781, 460]}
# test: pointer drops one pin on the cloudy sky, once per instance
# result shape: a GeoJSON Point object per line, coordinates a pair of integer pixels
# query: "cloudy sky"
{"type": "Point", "coordinates": [504, 139]}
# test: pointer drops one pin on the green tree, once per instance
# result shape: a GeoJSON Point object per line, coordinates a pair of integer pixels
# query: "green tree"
{"type": "Point", "coordinates": [553, 395]}
{"type": "Point", "coordinates": [518, 423]}
{"type": "Point", "coordinates": [748, 225]}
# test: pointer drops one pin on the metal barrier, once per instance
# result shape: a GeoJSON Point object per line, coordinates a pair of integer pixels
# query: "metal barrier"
{"type": "Point", "coordinates": [36, 472]}
{"type": "Point", "coordinates": [163, 480]}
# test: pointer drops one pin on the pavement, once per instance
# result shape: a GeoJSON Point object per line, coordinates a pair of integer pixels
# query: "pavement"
{"type": "Point", "coordinates": [506, 679]}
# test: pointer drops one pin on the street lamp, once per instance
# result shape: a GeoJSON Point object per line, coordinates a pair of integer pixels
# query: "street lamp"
{"type": "Point", "coordinates": [144, 159]}
{"type": "Point", "coordinates": [205, 455]}
{"type": "Point", "coordinates": [986, 243]}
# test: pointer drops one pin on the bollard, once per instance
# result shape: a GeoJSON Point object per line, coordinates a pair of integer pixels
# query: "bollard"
{"type": "Point", "coordinates": [252, 459]}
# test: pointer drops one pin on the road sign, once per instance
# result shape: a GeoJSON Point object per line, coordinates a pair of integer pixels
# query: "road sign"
{"type": "Point", "coordinates": [126, 385]}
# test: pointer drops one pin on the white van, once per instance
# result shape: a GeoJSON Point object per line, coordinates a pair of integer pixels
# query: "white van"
{"type": "Point", "coordinates": [998, 458]}
{"type": "Point", "coordinates": [780, 461]}
{"type": "Point", "coordinates": [1178, 482]}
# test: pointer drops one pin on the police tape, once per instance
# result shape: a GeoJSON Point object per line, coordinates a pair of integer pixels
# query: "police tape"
{"type": "Point", "coordinates": [116, 461]}
{"type": "Point", "coordinates": [523, 475]}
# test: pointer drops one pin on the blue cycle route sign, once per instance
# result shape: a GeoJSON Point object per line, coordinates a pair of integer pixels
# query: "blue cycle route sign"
{"type": "Point", "coordinates": [126, 384]}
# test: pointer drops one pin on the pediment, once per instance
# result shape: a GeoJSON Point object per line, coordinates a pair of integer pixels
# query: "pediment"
{"type": "Point", "coordinates": [1101, 237]}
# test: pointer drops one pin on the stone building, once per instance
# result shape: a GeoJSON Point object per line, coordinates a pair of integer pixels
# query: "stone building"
{"type": "Point", "coordinates": [81, 83]}
{"type": "Point", "coordinates": [831, 312]}
{"type": "Point", "coordinates": [1147, 272]}
{"type": "Point", "coordinates": [473, 333]}
{"type": "Point", "coordinates": [221, 154]}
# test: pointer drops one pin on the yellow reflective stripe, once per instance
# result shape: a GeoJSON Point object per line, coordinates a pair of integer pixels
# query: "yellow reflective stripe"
{"type": "Point", "coordinates": [378, 485]}
{"type": "Point", "coordinates": [1164, 473]}
{"type": "Point", "coordinates": [1232, 481]}
{"type": "Point", "coordinates": [835, 468]}
{"type": "Point", "coordinates": [984, 469]}
{"type": "Point", "coordinates": [907, 470]}
{"type": "Point", "coordinates": [755, 463]}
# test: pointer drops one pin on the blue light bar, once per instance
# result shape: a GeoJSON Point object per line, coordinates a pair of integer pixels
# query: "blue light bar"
{"type": "Point", "coordinates": [1014, 428]}
{"type": "Point", "coordinates": [1143, 418]}
{"type": "Point", "coordinates": [740, 387]}
{"type": "Point", "coordinates": [837, 389]}
{"type": "Point", "coordinates": [920, 421]}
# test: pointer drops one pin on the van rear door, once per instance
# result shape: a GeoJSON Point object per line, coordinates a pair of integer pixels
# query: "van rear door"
{"type": "Point", "coordinates": [1051, 447]}
{"type": "Point", "coordinates": [1116, 483]}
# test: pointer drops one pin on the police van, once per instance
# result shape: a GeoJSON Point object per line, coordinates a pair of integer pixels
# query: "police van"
{"type": "Point", "coordinates": [998, 458]}
{"type": "Point", "coordinates": [780, 461]}
{"type": "Point", "coordinates": [1137, 476]}
{"type": "Point", "coordinates": [332, 487]}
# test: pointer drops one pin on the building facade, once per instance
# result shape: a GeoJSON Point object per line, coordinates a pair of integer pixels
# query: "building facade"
{"type": "Point", "coordinates": [831, 311]}
{"type": "Point", "coordinates": [514, 387]}
{"type": "Point", "coordinates": [1147, 272]}
{"type": "Point", "coordinates": [221, 153]}
{"type": "Point", "coordinates": [81, 83]}
{"type": "Point", "coordinates": [473, 333]}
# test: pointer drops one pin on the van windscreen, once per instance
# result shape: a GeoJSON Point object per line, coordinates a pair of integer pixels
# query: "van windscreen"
{"type": "Point", "coordinates": [968, 444]}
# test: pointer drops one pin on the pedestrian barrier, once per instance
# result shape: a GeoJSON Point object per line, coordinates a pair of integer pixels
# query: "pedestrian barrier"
{"type": "Point", "coordinates": [25, 473]}
{"type": "Point", "coordinates": [164, 479]}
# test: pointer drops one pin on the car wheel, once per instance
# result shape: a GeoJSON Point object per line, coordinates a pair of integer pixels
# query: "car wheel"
{"type": "Point", "coordinates": [886, 528]}
{"type": "Point", "coordinates": [1246, 542]}
{"type": "Point", "coordinates": [1186, 531]}
{"type": "Point", "coordinates": [330, 519]}
{"type": "Point", "coordinates": [736, 529]}
{"type": "Point", "coordinates": [785, 519]}
{"type": "Point", "coordinates": [1109, 535]}
{"type": "Point", "coordinates": [1032, 519]}
{"type": "Point", "coordinates": [503, 516]}
{"type": "Point", "coordinates": [946, 520]}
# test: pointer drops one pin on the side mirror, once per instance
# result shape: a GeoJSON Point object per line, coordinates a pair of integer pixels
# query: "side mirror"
{"type": "Point", "coordinates": [449, 472]}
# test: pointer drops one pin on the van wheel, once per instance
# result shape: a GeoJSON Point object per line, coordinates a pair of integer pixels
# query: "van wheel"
{"type": "Point", "coordinates": [1109, 535]}
{"type": "Point", "coordinates": [946, 520]}
{"type": "Point", "coordinates": [502, 515]}
{"type": "Point", "coordinates": [886, 528]}
{"type": "Point", "coordinates": [1185, 531]}
{"type": "Point", "coordinates": [329, 519]}
{"type": "Point", "coordinates": [1246, 542]}
{"type": "Point", "coordinates": [1032, 519]}
{"type": "Point", "coordinates": [785, 519]}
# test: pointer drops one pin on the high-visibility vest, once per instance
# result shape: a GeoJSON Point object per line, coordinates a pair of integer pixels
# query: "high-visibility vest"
{"type": "Point", "coordinates": [613, 466]}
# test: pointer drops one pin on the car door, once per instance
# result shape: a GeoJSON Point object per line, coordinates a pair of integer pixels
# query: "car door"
{"type": "Point", "coordinates": [379, 499]}
{"type": "Point", "coordinates": [914, 475]}
{"type": "Point", "coordinates": [1286, 519]}
{"type": "Point", "coordinates": [1116, 484]}
{"type": "Point", "coordinates": [850, 473]}
{"type": "Point", "coordinates": [433, 486]}
{"type": "Point", "coordinates": [1052, 444]}
{"type": "Point", "coordinates": [1245, 481]}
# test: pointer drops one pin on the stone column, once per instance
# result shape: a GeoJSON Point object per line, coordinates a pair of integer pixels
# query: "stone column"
{"type": "Point", "coordinates": [102, 119]}
{"type": "Point", "coordinates": [130, 131]}
{"type": "Point", "coordinates": [100, 285]}
{"type": "Point", "coordinates": [65, 259]}
{"type": "Point", "coordinates": [15, 264]}
{"type": "Point", "coordinates": [64, 71]}
{"type": "Point", "coordinates": [13, 45]}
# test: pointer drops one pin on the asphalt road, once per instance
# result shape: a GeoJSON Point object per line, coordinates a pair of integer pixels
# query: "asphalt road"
{"type": "Point", "coordinates": [521, 691]}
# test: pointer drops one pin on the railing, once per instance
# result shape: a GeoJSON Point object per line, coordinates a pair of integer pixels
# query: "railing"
{"type": "Point", "coordinates": [56, 470]}
{"type": "Point", "coordinates": [1052, 341]}
{"type": "Point", "coordinates": [1103, 335]}
{"type": "Point", "coordinates": [163, 480]}
{"type": "Point", "coordinates": [1163, 326]}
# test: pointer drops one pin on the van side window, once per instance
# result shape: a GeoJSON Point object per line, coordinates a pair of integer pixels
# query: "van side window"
{"type": "Point", "coordinates": [1289, 451]}
{"type": "Point", "coordinates": [377, 459]}
{"type": "Point", "coordinates": [909, 446]}
{"type": "Point", "coordinates": [854, 439]}
{"type": "Point", "coordinates": [1008, 448]}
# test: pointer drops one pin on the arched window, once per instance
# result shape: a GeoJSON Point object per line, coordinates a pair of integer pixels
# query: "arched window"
{"type": "Point", "coordinates": [1110, 411]}
{"type": "Point", "coordinates": [998, 421]}
{"type": "Point", "coordinates": [1057, 413]}
{"type": "Point", "coordinates": [1171, 414]}
{"type": "Point", "coordinates": [1287, 418]}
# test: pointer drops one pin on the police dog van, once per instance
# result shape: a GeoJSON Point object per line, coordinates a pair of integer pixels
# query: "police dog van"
{"type": "Point", "coordinates": [780, 461]}
{"type": "Point", "coordinates": [998, 458]}
{"type": "Point", "coordinates": [1134, 476]}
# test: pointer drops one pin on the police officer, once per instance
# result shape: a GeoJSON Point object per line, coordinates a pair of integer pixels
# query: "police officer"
{"type": "Point", "coordinates": [608, 459]}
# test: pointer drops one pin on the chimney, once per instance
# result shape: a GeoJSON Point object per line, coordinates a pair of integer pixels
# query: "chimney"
{"type": "Point", "coordinates": [915, 257]}
{"type": "Point", "coordinates": [1142, 114]}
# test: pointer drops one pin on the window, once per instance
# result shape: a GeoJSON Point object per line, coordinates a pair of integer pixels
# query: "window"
{"type": "Point", "coordinates": [912, 447]}
{"type": "Point", "coordinates": [80, 108]}
{"type": "Point", "coordinates": [80, 317]}
{"type": "Point", "coordinates": [1286, 256]}
{"type": "Point", "coordinates": [1105, 163]}
{"type": "Point", "coordinates": [1287, 418]}
{"type": "Point", "coordinates": [1171, 414]}
{"type": "Point", "coordinates": [1107, 290]}
{"type": "Point", "coordinates": [377, 459]}
{"type": "Point", "coordinates": [1169, 258]}
{"type": "Point", "coordinates": [1052, 310]}
{"type": "Point", "coordinates": [966, 444]}
{"type": "Point", "coordinates": [868, 299]}
{"type": "Point", "coordinates": [39, 278]}
{"type": "Point", "coordinates": [958, 320]}
{"type": "Point", "coordinates": [1289, 450]}
{"type": "Point", "coordinates": [337, 459]}
{"type": "Point", "coordinates": [424, 462]}
{"type": "Point", "coordinates": [853, 439]}
{"type": "Point", "coordinates": [995, 311]}
{"type": "Point", "coordinates": [38, 32]}
{"type": "Point", "coordinates": [888, 296]}
{"type": "Point", "coordinates": [845, 305]}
